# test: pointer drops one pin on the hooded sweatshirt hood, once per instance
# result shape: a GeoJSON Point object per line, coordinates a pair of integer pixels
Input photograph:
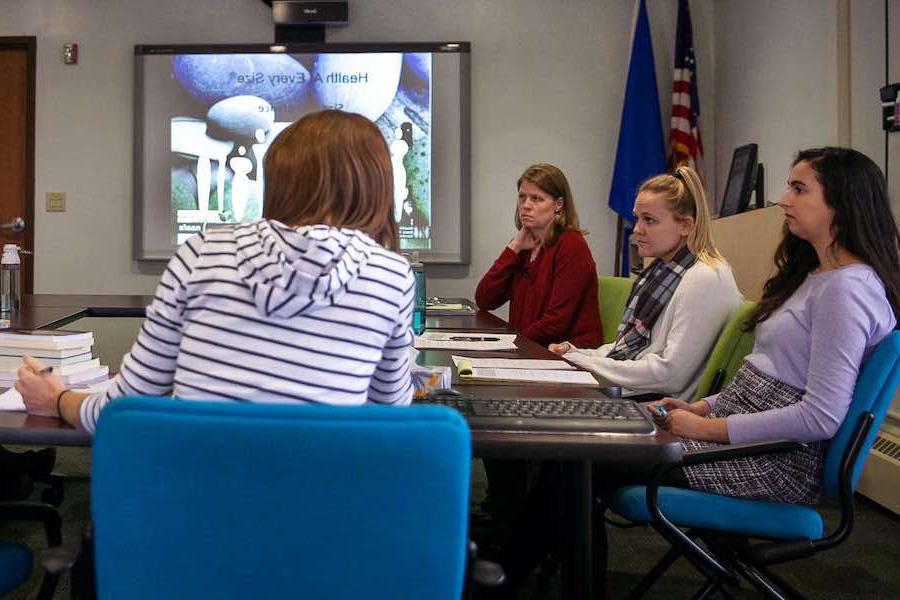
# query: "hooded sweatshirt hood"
{"type": "Point", "coordinates": [291, 271]}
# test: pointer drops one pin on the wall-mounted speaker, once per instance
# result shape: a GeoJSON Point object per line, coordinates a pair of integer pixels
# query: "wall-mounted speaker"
{"type": "Point", "coordinates": [305, 12]}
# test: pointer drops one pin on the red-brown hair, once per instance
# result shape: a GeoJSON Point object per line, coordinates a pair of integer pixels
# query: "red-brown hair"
{"type": "Point", "coordinates": [333, 168]}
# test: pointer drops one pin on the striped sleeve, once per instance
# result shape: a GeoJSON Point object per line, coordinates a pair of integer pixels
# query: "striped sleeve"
{"type": "Point", "coordinates": [148, 369]}
{"type": "Point", "coordinates": [391, 382]}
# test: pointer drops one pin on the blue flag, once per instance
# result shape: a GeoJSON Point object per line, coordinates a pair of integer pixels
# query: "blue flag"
{"type": "Point", "coordinates": [641, 151]}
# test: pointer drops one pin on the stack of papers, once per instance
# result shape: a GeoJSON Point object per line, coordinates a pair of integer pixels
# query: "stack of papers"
{"type": "Point", "coordinates": [467, 363]}
{"type": "Point", "coordinates": [436, 306]}
{"type": "Point", "coordinates": [68, 352]}
{"type": "Point", "coordinates": [446, 306]}
{"type": "Point", "coordinates": [45, 338]}
{"type": "Point", "coordinates": [464, 340]}
{"type": "Point", "coordinates": [505, 370]}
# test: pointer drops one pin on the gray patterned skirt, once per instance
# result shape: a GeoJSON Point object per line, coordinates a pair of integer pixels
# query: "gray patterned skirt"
{"type": "Point", "coordinates": [790, 477]}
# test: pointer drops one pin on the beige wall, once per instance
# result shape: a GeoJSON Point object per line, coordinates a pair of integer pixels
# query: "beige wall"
{"type": "Point", "coordinates": [547, 85]}
{"type": "Point", "coordinates": [748, 242]}
{"type": "Point", "coordinates": [776, 82]}
{"type": "Point", "coordinates": [84, 137]}
{"type": "Point", "coordinates": [867, 76]}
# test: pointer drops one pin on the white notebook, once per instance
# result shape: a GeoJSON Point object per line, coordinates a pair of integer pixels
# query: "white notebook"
{"type": "Point", "coordinates": [467, 363]}
{"type": "Point", "coordinates": [51, 339]}
{"type": "Point", "coordinates": [465, 340]}
{"type": "Point", "coordinates": [558, 377]}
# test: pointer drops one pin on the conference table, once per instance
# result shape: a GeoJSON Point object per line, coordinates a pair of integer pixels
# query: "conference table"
{"type": "Point", "coordinates": [579, 452]}
{"type": "Point", "coordinates": [53, 311]}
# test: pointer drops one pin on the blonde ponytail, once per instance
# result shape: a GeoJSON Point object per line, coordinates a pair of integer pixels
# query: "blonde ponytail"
{"type": "Point", "coordinates": [686, 197]}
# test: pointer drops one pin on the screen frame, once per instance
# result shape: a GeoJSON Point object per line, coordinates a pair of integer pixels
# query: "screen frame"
{"type": "Point", "coordinates": [462, 256]}
{"type": "Point", "coordinates": [747, 176]}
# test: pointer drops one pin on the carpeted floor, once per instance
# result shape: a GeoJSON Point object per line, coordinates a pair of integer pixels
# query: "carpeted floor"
{"type": "Point", "coordinates": [867, 565]}
{"type": "Point", "coordinates": [74, 463]}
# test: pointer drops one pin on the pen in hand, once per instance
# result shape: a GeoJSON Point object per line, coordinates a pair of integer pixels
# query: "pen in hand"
{"type": "Point", "coordinates": [45, 371]}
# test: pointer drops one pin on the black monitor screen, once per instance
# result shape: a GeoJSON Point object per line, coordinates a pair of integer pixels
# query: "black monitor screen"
{"type": "Point", "coordinates": [741, 180]}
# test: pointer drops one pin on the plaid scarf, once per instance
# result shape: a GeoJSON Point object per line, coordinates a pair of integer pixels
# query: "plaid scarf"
{"type": "Point", "coordinates": [651, 292]}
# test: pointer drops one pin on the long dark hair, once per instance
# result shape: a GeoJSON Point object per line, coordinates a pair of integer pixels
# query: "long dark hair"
{"type": "Point", "coordinates": [854, 187]}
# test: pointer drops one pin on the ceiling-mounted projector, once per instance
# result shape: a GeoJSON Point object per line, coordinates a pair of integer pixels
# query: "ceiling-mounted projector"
{"type": "Point", "coordinates": [304, 12]}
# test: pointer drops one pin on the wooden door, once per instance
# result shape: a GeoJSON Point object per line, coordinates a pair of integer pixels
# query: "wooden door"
{"type": "Point", "coordinates": [17, 71]}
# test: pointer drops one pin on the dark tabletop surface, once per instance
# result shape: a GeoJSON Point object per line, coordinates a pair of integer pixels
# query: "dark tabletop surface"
{"type": "Point", "coordinates": [51, 310]}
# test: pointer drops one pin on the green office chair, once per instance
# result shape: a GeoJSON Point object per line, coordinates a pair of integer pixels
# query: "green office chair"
{"type": "Point", "coordinates": [725, 359]}
{"type": "Point", "coordinates": [612, 294]}
{"type": "Point", "coordinates": [728, 353]}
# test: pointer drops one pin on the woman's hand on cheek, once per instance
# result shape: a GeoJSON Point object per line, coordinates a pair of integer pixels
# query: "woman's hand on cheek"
{"type": "Point", "coordinates": [524, 240]}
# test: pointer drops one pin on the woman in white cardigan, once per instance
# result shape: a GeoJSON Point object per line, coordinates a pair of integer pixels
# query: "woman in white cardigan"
{"type": "Point", "coordinates": [679, 303]}
{"type": "Point", "coordinates": [676, 310]}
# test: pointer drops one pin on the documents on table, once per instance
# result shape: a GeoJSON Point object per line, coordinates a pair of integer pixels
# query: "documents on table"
{"type": "Point", "coordinates": [465, 364]}
{"type": "Point", "coordinates": [555, 376]}
{"type": "Point", "coordinates": [54, 339]}
{"type": "Point", "coordinates": [447, 306]}
{"type": "Point", "coordinates": [436, 306]}
{"type": "Point", "coordinates": [463, 340]}
{"type": "Point", "coordinates": [67, 353]}
{"type": "Point", "coordinates": [11, 399]}
{"type": "Point", "coordinates": [520, 370]}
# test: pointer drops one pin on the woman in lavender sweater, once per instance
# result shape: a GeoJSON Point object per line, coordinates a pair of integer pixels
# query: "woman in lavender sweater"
{"type": "Point", "coordinates": [835, 295]}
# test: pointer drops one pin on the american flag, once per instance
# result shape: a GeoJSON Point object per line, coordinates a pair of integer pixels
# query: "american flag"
{"type": "Point", "coordinates": [685, 145]}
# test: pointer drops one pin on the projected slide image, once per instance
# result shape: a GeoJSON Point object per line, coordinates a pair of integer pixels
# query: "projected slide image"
{"type": "Point", "coordinates": [230, 107]}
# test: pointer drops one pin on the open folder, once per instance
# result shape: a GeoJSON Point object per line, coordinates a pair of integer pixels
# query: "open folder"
{"type": "Point", "coordinates": [505, 370]}
{"type": "Point", "coordinates": [558, 377]}
{"type": "Point", "coordinates": [465, 364]}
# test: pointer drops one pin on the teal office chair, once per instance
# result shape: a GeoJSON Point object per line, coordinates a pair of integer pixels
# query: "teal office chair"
{"type": "Point", "coordinates": [728, 354]}
{"type": "Point", "coordinates": [16, 558]}
{"type": "Point", "coordinates": [239, 500]}
{"type": "Point", "coordinates": [612, 295]}
{"type": "Point", "coordinates": [15, 566]}
{"type": "Point", "coordinates": [782, 532]}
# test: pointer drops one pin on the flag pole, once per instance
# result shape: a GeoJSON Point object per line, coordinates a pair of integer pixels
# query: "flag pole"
{"type": "Point", "coordinates": [640, 152]}
{"type": "Point", "coordinates": [617, 265]}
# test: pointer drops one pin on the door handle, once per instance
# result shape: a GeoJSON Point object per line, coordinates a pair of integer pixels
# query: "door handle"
{"type": "Point", "coordinates": [16, 225]}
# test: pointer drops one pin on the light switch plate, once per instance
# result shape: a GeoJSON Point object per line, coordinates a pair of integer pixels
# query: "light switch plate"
{"type": "Point", "coordinates": [56, 201]}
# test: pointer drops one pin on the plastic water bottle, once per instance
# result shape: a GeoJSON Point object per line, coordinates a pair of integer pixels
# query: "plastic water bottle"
{"type": "Point", "coordinates": [10, 279]}
{"type": "Point", "coordinates": [418, 315]}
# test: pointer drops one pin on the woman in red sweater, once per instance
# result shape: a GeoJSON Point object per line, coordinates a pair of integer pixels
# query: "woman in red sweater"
{"type": "Point", "coordinates": [546, 272]}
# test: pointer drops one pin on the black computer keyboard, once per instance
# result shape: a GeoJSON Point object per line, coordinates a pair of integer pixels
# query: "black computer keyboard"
{"type": "Point", "coordinates": [575, 415]}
